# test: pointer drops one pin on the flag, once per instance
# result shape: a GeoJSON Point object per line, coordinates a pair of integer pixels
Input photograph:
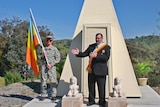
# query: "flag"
{"type": "Point", "coordinates": [36, 38]}
{"type": "Point", "coordinates": [32, 42]}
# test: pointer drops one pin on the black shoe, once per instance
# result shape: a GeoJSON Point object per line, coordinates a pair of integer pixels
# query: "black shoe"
{"type": "Point", "coordinates": [53, 98]}
{"type": "Point", "coordinates": [42, 98]}
{"type": "Point", "coordinates": [102, 103]}
{"type": "Point", "coordinates": [90, 103]}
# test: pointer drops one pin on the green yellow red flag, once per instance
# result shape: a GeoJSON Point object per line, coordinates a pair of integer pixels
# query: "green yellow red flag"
{"type": "Point", "coordinates": [31, 55]}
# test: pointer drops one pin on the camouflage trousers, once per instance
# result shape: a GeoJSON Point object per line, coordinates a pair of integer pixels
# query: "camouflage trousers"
{"type": "Point", "coordinates": [48, 74]}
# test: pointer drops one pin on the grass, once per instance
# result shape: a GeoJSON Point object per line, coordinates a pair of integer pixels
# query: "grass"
{"type": "Point", "coordinates": [2, 82]}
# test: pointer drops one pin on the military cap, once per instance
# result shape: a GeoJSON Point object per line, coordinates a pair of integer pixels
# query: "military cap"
{"type": "Point", "coordinates": [49, 37]}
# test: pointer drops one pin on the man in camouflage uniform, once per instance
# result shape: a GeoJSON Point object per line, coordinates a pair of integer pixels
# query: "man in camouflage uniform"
{"type": "Point", "coordinates": [49, 70]}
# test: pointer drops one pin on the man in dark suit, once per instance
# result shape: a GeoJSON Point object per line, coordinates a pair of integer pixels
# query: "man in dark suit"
{"type": "Point", "coordinates": [99, 54]}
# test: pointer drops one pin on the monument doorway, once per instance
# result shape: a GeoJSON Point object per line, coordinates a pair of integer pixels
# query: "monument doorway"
{"type": "Point", "coordinates": [88, 37]}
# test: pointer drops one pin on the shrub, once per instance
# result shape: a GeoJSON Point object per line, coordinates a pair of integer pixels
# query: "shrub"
{"type": "Point", "coordinates": [154, 80]}
{"type": "Point", "coordinates": [143, 69]}
{"type": "Point", "coordinates": [12, 77]}
{"type": "Point", "coordinates": [2, 81]}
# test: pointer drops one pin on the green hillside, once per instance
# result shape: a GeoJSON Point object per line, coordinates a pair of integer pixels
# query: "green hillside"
{"type": "Point", "coordinates": [146, 49]}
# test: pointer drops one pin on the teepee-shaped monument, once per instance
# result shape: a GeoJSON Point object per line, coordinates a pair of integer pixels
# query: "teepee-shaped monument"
{"type": "Point", "coordinates": [99, 16]}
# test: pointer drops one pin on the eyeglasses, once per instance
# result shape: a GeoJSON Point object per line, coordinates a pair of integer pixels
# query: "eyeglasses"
{"type": "Point", "coordinates": [50, 40]}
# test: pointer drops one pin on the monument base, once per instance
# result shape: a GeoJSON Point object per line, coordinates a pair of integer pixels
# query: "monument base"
{"type": "Point", "coordinates": [117, 102]}
{"type": "Point", "coordinates": [76, 101]}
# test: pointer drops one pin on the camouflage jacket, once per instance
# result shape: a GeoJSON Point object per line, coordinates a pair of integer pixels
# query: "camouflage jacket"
{"type": "Point", "coordinates": [53, 55]}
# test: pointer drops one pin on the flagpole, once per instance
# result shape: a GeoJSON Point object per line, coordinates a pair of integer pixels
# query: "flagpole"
{"type": "Point", "coordinates": [32, 17]}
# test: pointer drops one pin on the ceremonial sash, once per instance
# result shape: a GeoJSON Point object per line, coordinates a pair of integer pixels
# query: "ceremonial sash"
{"type": "Point", "coordinates": [100, 47]}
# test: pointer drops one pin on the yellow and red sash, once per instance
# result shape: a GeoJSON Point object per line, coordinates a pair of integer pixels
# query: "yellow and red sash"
{"type": "Point", "coordinates": [100, 47]}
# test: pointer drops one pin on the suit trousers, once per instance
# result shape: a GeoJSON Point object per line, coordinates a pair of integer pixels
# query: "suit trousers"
{"type": "Point", "coordinates": [101, 83]}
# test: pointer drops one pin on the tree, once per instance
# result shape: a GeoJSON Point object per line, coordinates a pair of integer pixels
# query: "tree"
{"type": "Point", "coordinates": [13, 37]}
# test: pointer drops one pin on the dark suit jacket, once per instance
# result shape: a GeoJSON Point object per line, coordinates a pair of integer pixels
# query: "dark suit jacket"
{"type": "Point", "coordinates": [99, 64]}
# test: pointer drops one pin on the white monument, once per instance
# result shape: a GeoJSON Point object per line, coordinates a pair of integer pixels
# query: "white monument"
{"type": "Point", "coordinates": [117, 89]}
{"type": "Point", "coordinates": [99, 16]}
{"type": "Point", "coordinates": [73, 88]}
{"type": "Point", "coordinates": [73, 98]}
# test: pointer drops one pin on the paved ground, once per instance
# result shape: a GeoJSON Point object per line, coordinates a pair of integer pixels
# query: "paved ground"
{"type": "Point", "coordinates": [149, 99]}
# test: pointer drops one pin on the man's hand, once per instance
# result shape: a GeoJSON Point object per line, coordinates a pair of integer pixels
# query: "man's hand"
{"type": "Point", "coordinates": [75, 51]}
{"type": "Point", "coordinates": [44, 54]}
{"type": "Point", "coordinates": [93, 54]}
{"type": "Point", "coordinates": [49, 66]}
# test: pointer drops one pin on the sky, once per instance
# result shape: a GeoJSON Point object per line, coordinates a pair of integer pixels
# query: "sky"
{"type": "Point", "coordinates": [136, 17]}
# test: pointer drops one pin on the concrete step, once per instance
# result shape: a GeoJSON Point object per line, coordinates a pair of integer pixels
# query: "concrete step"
{"type": "Point", "coordinates": [149, 99]}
